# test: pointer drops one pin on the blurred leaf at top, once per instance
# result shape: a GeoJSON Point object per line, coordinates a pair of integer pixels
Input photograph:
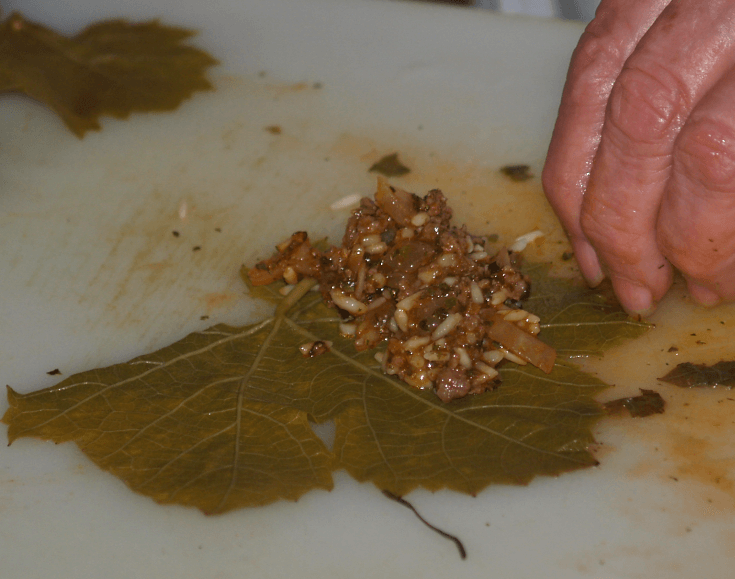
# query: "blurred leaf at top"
{"type": "Point", "coordinates": [222, 418]}
{"type": "Point", "coordinates": [110, 68]}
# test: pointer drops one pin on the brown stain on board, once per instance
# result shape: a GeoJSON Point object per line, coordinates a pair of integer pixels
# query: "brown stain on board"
{"type": "Point", "coordinates": [215, 300]}
{"type": "Point", "coordinates": [689, 449]}
{"type": "Point", "coordinates": [695, 446]}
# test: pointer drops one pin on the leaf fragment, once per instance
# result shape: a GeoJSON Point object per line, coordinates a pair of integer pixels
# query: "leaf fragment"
{"type": "Point", "coordinates": [688, 375]}
{"type": "Point", "coordinates": [110, 68]}
{"type": "Point", "coordinates": [389, 166]}
{"type": "Point", "coordinates": [648, 402]}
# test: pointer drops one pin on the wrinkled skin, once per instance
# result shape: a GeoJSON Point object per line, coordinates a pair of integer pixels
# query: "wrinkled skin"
{"type": "Point", "coordinates": [641, 166]}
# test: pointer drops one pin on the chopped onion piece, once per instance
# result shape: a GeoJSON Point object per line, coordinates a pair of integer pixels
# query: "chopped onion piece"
{"type": "Point", "coordinates": [521, 345]}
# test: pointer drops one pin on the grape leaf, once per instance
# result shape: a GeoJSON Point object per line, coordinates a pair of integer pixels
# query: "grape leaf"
{"type": "Point", "coordinates": [110, 68]}
{"type": "Point", "coordinates": [578, 322]}
{"type": "Point", "coordinates": [220, 419]}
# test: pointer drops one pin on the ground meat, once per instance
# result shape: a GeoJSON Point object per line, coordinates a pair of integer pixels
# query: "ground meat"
{"type": "Point", "coordinates": [449, 308]}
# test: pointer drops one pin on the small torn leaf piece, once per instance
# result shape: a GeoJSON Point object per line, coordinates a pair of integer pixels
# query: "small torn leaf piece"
{"type": "Point", "coordinates": [647, 403]}
{"type": "Point", "coordinates": [517, 173]}
{"type": "Point", "coordinates": [389, 166]}
{"type": "Point", "coordinates": [110, 68]}
{"type": "Point", "coordinates": [688, 375]}
{"type": "Point", "coordinates": [220, 419]}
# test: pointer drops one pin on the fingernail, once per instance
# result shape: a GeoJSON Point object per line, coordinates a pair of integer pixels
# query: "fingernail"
{"type": "Point", "coordinates": [589, 264]}
{"type": "Point", "coordinates": [635, 299]}
{"type": "Point", "coordinates": [702, 295]}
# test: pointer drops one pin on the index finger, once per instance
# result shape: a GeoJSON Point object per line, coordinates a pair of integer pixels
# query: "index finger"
{"type": "Point", "coordinates": [596, 63]}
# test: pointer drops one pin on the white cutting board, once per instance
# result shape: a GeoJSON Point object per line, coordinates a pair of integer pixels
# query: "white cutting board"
{"type": "Point", "coordinates": [91, 274]}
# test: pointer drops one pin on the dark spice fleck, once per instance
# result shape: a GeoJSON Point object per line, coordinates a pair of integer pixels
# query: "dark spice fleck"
{"type": "Point", "coordinates": [567, 255]}
{"type": "Point", "coordinates": [204, 317]}
{"type": "Point", "coordinates": [274, 129]}
{"type": "Point", "coordinates": [517, 173]}
{"type": "Point", "coordinates": [673, 349]}
{"type": "Point", "coordinates": [54, 372]}
{"type": "Point", "coordinates": [176, 233]}
{"type": "Point", "coordinates": [196, 248]}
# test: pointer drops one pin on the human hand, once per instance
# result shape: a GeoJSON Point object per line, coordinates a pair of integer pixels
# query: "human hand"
{"type": "Point", "coordinates": [641, 166]}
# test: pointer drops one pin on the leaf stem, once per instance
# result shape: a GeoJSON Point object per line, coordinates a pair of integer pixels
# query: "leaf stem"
{"type": "Point", "coordinates": [298, 292]}
{"type": "Point", "coordinates": [405, 503]}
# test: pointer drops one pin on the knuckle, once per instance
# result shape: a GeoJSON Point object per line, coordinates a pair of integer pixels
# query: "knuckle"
{"type": "Point", "coordinates": [595, 63]}
{"type": "Point", "coordinates": [647, 104]}
{"type": "Point", "coordinates": [611, 235]}
{"type": "Point", "coordinates": [705, 155]}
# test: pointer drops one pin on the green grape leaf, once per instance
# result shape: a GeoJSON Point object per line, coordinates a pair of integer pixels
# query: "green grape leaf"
{"type": "Point", "coordinates": [221, 419]}
{"type": "Point", "coordinates": [110, 68]}
{"type": "Point", "coordinates": [577, 321]}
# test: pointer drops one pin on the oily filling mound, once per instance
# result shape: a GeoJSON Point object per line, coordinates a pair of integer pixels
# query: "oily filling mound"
{"type": "Point", "coordinates": [449, 310]}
